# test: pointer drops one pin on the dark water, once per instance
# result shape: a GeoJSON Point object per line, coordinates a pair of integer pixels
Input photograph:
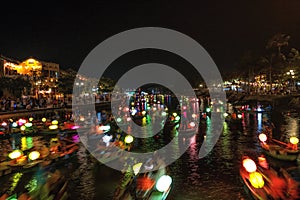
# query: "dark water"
{"type": "Point", "coordinates": [214, 177]}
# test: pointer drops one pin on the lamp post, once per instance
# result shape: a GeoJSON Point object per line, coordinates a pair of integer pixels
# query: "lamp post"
{"type": "Point", "coordinates": [291, 73]}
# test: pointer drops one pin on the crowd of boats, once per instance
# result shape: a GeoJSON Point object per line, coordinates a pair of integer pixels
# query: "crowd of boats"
{"type": "Point", "coordinates": [274, 174]}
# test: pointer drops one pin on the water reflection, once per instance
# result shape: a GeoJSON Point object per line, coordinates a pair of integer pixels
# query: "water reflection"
{"type": "Point", "coordinates": [214, 177]}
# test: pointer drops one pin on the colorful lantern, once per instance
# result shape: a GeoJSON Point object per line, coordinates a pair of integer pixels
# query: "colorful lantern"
{"type": "Point", "coordinates": [263, 137]}
{"type": "Point", "coordinates": [53, 127]}
{"type": "Point", "coordinates": [128, 139]}
{"type": "Point", "coordinates": [256, 180]}
{"type": "Point", "coordinates": [34, 155]}
{"type": "Point", "coordinates": [22, 128]}
{"type": "Point", "coordinates": [15, 154]}
{"type": "Point", "coordinates": [249, 165]}
{"type": "Point", "coordinates": [163, 183]}
{"type": "Point", "coordinates": [54, 122]}
{"type": "Point", "coordinates": [294, 140]}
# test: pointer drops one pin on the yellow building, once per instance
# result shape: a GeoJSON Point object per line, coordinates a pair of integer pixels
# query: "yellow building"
{"type": "Point", "coordinates": [43, 75]}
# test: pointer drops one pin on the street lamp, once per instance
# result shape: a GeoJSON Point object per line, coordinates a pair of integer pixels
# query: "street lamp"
{"type": "Point", "coordinates": [292, 73]}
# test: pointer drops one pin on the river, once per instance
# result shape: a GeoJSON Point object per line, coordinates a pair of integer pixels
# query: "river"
{"type": "Point", "coordinates": [214, 177]}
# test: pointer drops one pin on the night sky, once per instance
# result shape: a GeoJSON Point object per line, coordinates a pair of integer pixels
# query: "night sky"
{"type": "Point", "coordinates": [66, 32]}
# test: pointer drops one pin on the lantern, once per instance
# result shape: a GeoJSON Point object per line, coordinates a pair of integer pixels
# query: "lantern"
{"type": "Point", "coordinates": [34, 155]}
{"type": "Point", "coordinates": [136, 168]}
{"type": "Point", "coordinates": [294, 140]}
{"type": "Point", "coordinates": [192, 124]}
{"type": "Point", "coordinates": [28, 125]}
{"type": "Point", "coordinates": [128, 139]}
{"type": "Point", "coordinates": [249, 165]}
{"type": "Point", "coordinates": [163, 183]}
{"type": "Point", "coordinates": [54, 122]}
{"type": "Point", "coordinates": [262, 137]}
{"type": "Point", "coordinates": [256, 180]}
{"type": "Point", "coordinates": [22, 128]}
{"type": "Point", "coordinates": [15, 154]}
{"type": "Point", "coordinates": [53, 127]}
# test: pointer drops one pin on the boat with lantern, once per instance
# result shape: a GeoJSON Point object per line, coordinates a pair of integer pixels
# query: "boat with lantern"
{"type": "Point", "coordinates": [149, 185]}
{"type": "Point", "coordinates": [264, 182]}
{"type": "Point", "coordinates": [24, 160]}
{"type": "Point", "coordinates": [278, 149]}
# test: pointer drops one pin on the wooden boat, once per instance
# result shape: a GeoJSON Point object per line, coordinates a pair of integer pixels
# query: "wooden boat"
{"type": "Point", "coordinates": [279, 150]}
{"type": "Point", "coordinates": [22, 164]}
{"type": "Point", "coordinates": [263, 182]}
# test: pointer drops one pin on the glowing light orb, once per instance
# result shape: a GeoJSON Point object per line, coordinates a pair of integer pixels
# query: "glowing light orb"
{"type": "Point", "coordinates": [240, 116]}
{"type": "Point", "coordinates": [249, 165]}
{"type": "Point", "coordinates": [143, 112]}
{"type": "Point", "coordinates": [174, 114]}
{"type": "Point", "coordinates": [30, 119]}
{"type": "Point", "coordinates": [15, 154]}
{"type": "Point", "coordinates": [163, 114]}
{"type": "Point", "coordinates": [192, 124]}
{"type": "Point", "coordinates": [136, 168]}
{"type": "Point", "coordinates": [225, 114]}
{"type": "Point", "coordinates": [34, 155]}
{"type": "Point", "coordinates": [256, 180]}
{"type": "Point", "coordinates": [163, 183]}
{"type": "Point", "coordinates": [28, 125]}
{"type": "Point", "coordinates": [294, 140]}
{"type": "Point", "coordinates": [22, 128]}
{"type": "Point", "coordinates": [128, 139]}
{"type": "Point", "coordinates": [207, 109]}
{"type": "Point", "coordinates": [262, 137]}
{"type": "Point", "coordinates": [119, 119]}
{"type": "Point", "coordinates": [4, 124]}
{"type": "Point", "coordinates": [177, 118]}
{"type": "Point", "coordinates": [104, 128]}
{"type": "Point", "coordinates": [53, 127]}
{"type": "Point", "coordinates": [14, 124]}
{"type": "Point", "coordinates": [54, 122]}
{"type": "Point", "coordinates": [44, 119]}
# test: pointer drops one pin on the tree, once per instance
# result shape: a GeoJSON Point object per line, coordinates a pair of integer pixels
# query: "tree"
{"type": "Point", "coordinates": [14, 86]}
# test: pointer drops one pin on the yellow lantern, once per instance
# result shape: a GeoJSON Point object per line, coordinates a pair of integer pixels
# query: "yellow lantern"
{"type": "Point", "coordinates": [128, 139]}
{"type": "Point", "coordinates": [34, 155]}
{"type": "Point", "coordinates": [136, 168]}
{"type": "Point", "coordinates": [22, 128]}
{"type": "Point", "coordinates": [294, 140]}
{"type": "Point", "coordinates": [44, 119]}
{"type": "Point", "coordinates": [15, 154]}
{"type": "Point", "coordinates": [256, 180]}
{"type": "Point", "coordinates": [54, 122]}
{"type": "Point", "coordinates": [53, 127]}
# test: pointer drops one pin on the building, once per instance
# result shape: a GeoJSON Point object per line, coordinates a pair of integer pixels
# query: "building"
{"type": "Point", "coordinates": [42, 75]}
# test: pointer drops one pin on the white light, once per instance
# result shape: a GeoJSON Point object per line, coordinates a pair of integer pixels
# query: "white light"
{"type": "Point", "coordinates": [104, 128]}
{"type": "Point", "coordinates": [163, 183]}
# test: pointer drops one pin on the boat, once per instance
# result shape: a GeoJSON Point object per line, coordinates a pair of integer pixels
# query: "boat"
{"type": "Point", "coordinates": [262, 182]}
{"type": "Point", "coordinates": [280, 150]}
{"type": "Point", "coordinates": [190, 128]}
{"type": "Point", "coordinates": [55, 188]}
{"type": "Point", "coordinates": [149, 185]}
{"type": "Point", "coordinates": [21, 163]}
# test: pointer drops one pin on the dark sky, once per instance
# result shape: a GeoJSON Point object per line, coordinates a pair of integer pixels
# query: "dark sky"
{"type": "Point", "coordinates": [66, 32]}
